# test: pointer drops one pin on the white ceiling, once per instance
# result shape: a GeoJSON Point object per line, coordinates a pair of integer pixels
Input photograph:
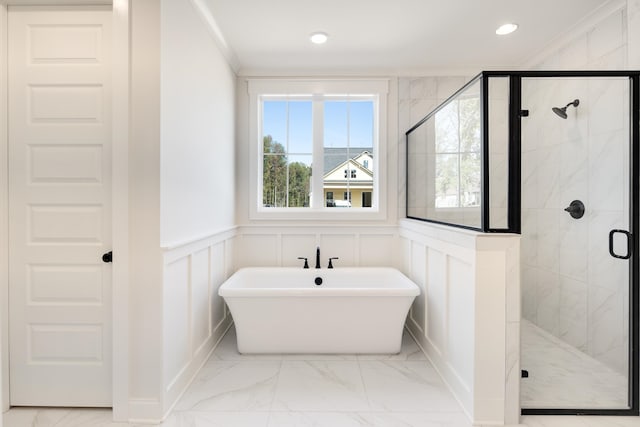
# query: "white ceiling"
{"type": "Point", "coordinates": [382, 36]}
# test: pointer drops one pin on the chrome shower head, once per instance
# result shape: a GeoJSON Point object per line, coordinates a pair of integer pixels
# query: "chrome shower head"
{"type": "Point", "coordinates": [562, 112]}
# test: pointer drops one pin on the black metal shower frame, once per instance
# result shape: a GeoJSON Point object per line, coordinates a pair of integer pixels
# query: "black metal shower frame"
{"type": "Point", "coordinates": [516, 113]}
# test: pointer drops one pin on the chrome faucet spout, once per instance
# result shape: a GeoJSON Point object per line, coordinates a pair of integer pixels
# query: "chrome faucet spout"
{"type": "Point", "coordinates": [318, 257]}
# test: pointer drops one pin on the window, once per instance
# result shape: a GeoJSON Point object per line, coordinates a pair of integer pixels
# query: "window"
{"type": "Point", "coordinates": [287, 149]}
{"type": "Point", "coordinates": [316, 139]}
{"type": "Point", "coordinates": [457, 154]}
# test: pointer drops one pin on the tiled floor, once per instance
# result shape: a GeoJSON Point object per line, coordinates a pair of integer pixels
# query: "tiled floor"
{"type": "Point", "coordinates": [318, 390]}
{"type": "Point", "coordinates": [294, 390]}
{"type": "Point", "coordinates": [307, 390]}
{"type": "Point", "coordinates": [561, 376]}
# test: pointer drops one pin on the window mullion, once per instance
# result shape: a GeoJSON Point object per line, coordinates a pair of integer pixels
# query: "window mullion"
{"type": "Point", "coordinates": [317, 201]}
{"type": "Point", "coordinates": [287, 145]}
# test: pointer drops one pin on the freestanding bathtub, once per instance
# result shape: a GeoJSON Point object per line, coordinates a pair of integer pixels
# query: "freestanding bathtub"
{"type": "Point", "coordinates": [352, 310]}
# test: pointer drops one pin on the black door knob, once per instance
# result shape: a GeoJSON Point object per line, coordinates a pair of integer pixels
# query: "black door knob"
{"type": "Point", "coordinates": [108, 257]}
{"type": "Point", "coordinates": [575, 209]}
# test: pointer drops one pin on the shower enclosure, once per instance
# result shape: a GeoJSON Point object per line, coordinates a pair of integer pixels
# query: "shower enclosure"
{"type": "Point", "coordinates": [552, 156]}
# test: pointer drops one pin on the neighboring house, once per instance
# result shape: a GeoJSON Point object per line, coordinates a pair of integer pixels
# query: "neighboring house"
{"type": "Point", "coordinates": [348, 178]}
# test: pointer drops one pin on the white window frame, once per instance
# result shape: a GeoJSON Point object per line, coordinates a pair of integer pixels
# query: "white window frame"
{"type": "Point", "coordinates": [292, 88]}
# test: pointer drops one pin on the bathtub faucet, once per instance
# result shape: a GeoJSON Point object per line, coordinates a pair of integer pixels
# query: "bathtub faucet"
{"type": "Point", "coordinates": [318, 257]}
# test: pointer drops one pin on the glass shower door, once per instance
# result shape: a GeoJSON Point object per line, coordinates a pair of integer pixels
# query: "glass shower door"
{"type": "Point", "coordinates": [576, 192]}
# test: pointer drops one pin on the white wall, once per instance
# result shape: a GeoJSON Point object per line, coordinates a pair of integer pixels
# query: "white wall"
{"type": "Point", "coordinates": [145, 274]}
{"type": "Point", "coordinates": [4, 242]}
{"type": "Point", "coordinates": [181, 165]}
{"type": "Point", "coordinates": [600, 44]}
{"type": "Point", "coordinates": [196, 192]}
{"type": "Point", "coordinates": [197, 128]}
{"type": "Point", "coordinates": [467, 318]}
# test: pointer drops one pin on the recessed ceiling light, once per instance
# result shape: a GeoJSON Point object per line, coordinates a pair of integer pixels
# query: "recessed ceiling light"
{"type": "Point", "coordinates": [506, 29]}
{"type": "Point", "coordinates": [319, 38]}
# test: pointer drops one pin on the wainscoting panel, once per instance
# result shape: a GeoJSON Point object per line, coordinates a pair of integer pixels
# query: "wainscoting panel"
{"type": "Point", "coordinates": [418, 275]}
{"type": "Point", "coordinates": [200, 300]}
{"type": "Point", "coordinates": [297, 245]}
{"type": "Point", "coordinates": [342, 246]}
{"type": "Point", "coordinates": [437, 323]}
{"type": "Point", "coordinates": [280, 246]}
{"type": "Point", "coordinates": [219, 270]}
{"type": "Point", "coordinates": [176, 319]}
{"type": "Point", "coordinates": [195, 316]}
{"type": "Point", "coordinates": [460, 320]}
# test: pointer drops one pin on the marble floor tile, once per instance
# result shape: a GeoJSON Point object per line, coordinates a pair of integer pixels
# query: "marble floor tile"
{"type": "Point", "coordinates": [232, 386]}
{"type": "Point", "coordinates": [419, 419]}
{"type": "Point", "coordinates": [409, 351]}
{"type": "Point", "coordinates": [60, 417]}
{"type": "Point", "coordinates": [561, 376]}
{"type": "Point", "coordinates": [320, 386]}
{"type": "Point", "coordinates": [227, 349]}
{"type": "Point", "coordinates": [234, 390]}
{"type": "Point", "coordinates": [400, 386]}
{"type": "Point", "coordinates": [318, 419]}
{"type": "Point", "coordinates": [367, 419]}
{"type": "Point", "coordinates": [214, 419]}
{"type": "Point", "coordinates": [579, 421]}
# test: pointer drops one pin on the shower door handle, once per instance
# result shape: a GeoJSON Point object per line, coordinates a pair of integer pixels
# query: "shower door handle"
{"type": "Point", "coordinates": [629, 244]}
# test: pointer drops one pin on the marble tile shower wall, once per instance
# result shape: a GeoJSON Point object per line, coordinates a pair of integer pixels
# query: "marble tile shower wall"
{"type": "Point", "coordinates": [603, 47]}
{"type": "Point", "coordinates": [571, 287]}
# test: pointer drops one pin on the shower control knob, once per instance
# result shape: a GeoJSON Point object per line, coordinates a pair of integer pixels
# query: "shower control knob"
{"type": "Point", "coordinates": [575, 209]}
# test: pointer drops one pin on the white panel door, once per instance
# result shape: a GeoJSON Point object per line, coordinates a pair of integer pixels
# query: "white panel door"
{"type": "Point", "coordinates": [59, 206]}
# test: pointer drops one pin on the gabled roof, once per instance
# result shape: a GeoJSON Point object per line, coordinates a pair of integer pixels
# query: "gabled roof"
{"type": "Point", "coordinates": [352, 165]}
{"type": "Point", "coordinates": [333, 157]}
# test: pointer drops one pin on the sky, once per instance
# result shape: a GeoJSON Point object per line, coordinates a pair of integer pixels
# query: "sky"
{"type": "Point", "coordinates": [345, 122]}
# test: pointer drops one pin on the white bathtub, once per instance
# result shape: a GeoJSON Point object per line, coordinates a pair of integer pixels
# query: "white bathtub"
{"type": "Point", "coordinates": [354, 310]}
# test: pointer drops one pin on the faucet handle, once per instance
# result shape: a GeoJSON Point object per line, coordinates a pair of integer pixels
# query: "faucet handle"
{"type": "Point", "coordinates": [306, 264]}
{"type": "Point", "coordinates": [330, 263]}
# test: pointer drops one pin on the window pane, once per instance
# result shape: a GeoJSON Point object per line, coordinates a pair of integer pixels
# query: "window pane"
{"type": "Point", "coordinates": [469, 113]}
{"type": "Point", "coordinates": [361, 124]}
{"type": "Point", "coordinates": [336, 124]}
{"type": "Point", "coordinates": [446, 180]}
{"type": "Point", "coordinates": [274, 180]}
{"type": "Point", "coordinates": [348, 152]}
{"type": "Point", "coordinates": [287, 153]}
{"type": "Point", "coordinates": [444, 168]}
{"type": "Point", "coordinates": [470, 179]}
{"type": "Point", "coordinates": [300, 128]}
{"type": "Point", "coordinates": [274, 120]}
{"type": "Point", "coordinates": [288, 144]}
{"type": "Point", "coordinates": [447, 129]}
{"type": "Point", "coordinates": [498, 151]}
{"type": "Point", "coordinates": [299, 181]}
